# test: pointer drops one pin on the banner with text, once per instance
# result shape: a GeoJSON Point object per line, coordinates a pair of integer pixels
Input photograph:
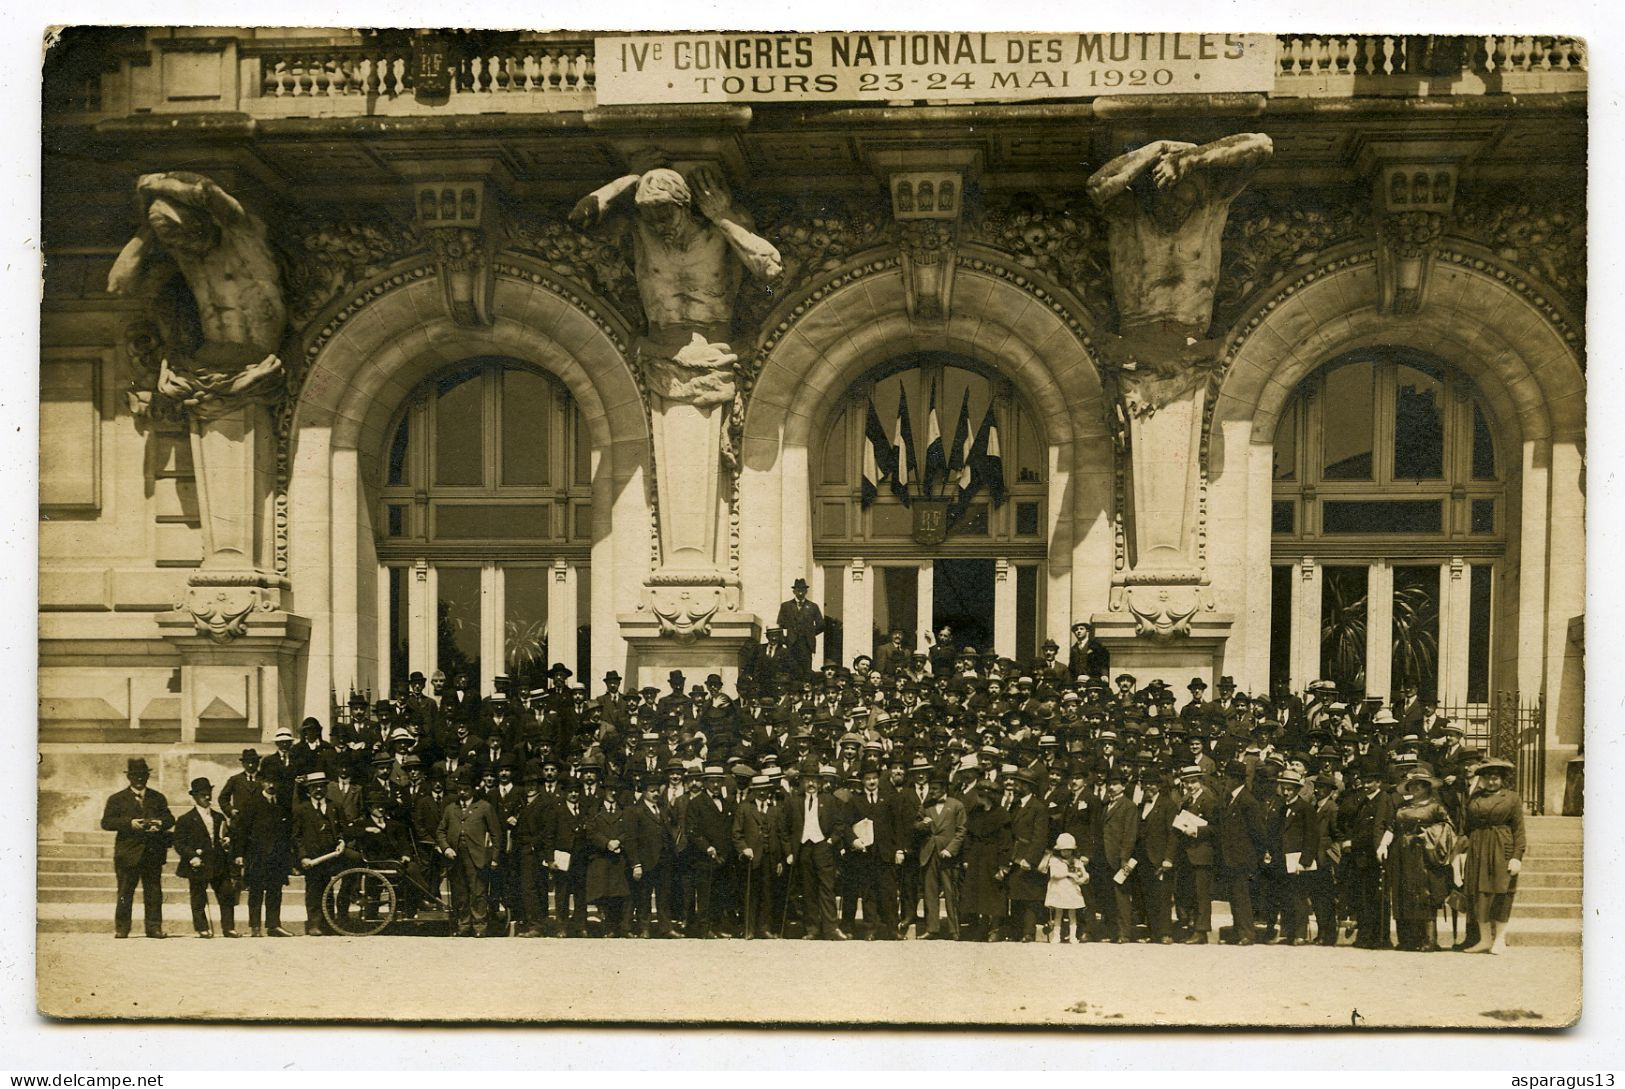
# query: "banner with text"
{"type": "Point", "coordinates": [875, 66]}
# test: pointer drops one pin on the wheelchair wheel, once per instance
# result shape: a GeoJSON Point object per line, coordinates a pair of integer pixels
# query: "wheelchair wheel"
{"type": "Point", "coordinates": [359, 902]}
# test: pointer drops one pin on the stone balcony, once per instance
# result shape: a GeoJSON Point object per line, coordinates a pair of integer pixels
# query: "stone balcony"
{"type": "Point", "coordinates": [263, 74]}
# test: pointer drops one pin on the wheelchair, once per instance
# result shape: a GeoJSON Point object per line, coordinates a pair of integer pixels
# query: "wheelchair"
{"type": "Point", "coordinates": [360, 901]}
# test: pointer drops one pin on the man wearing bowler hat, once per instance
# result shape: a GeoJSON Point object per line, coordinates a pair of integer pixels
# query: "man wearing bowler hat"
{"type": "Point", "coordinates": [241, 787]}
{"type": "Point", "coordinates": [142, 821]}
{"type": "Point", "coordinates": [468, 837]}
{"type": "Point", "coordinates": [803, 623]}
{"type": "Point", "coordinates": [202, 850]}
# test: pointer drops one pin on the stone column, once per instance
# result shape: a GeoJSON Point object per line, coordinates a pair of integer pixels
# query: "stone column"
{"type": "Point", "coordinates": [1455, 620]}
{"type": "Point", "coordinates": [925, 599]}
{"type": "Point", "coordinates": [1379, 630]}
{"type": "Point", "coordinates": [1004, 608]}
{"type": "Point", "coordinates": [1306, 600]}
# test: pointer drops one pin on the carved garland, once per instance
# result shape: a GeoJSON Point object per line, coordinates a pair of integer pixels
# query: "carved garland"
{"type": "Point", "coordinates": [359, 302]}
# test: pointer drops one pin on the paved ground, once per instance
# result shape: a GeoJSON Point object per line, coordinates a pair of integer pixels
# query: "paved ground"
{"type": "Point", "coordinates": [800, 982]}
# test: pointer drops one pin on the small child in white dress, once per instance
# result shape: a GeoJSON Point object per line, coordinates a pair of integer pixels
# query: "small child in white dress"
{"type": "Point", "coordinates": [1064, 894]}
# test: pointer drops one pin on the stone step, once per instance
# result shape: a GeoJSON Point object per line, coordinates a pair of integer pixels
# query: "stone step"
{"type": "Point", "coordinates": [60, 849]}
{"type": "Point", "coordinates": [1530, 879]}
{"type": "Point", "coordinates": [1521, 910]}
{"type": "Point", "coordinates": [1528, 896]}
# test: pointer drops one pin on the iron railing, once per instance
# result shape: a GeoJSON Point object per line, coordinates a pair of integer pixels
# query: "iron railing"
{"type": "Point", "coordinates": [1513, 728]}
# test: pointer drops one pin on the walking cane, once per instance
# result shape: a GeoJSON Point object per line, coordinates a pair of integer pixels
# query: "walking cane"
{"type": "Point", "coordinates": [789, 886]}
{"type": "Point", "coordinates": [750, 920]}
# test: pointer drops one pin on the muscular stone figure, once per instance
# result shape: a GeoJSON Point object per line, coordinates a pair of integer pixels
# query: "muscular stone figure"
{"type": "Point", "coordinates": [688, 270]}
{"type": "Point", "coordinates": [1165, 206]}
{"type": "Point", "coordinates": [203, 265]}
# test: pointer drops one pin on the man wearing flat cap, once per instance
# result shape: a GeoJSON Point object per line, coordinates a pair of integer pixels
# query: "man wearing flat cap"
{"type": "Point", "coordinates": [803, 623]}
{"type": "Point", "coordinates": [140, 816]}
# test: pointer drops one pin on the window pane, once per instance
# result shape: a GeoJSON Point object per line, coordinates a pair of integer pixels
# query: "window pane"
{"type": "Point", "coordinates": [1418, 425]}
{"type": "Point", "coordinates": [1483, 447]}
{"type": "Point", "coordinates": [510, 521]}
{"type": "Point", "coordinates": [399, 451]}
{"type": "Point", "coordinates": [835, 449]}
{"type": "Point", "coordinates": [1027, 519]}
{"type": "Point", "coordinates": [400, 623]}
{"type": "Point", "coordinates": [583, 465]}
{"type": "Point", "coordinates": [1031, 454]}
{"type": "Point", "coordinates": [1483, 520]}
{"type": "Point", "coordinates": [524, 625]}
{"type": "Point", "coordinates": [1380, 516]}
{"type": "Point", "coordinates": [1342, 625]}
{"type": "Point", "coordinates": [1026, 612]}
{"type": "Point", "coordinates": [1348, 409]}
{"type": "Point", "coordinates": [834, 648]}
{"type": "Point", "coordinates": [1283, 516]}
{"type": "Point", "coordinates": [397, 520]}
{"type": "Point", "coordinates": [1286, 443]}
{"type": "Point", "coordinates": [896, 602]}
{"type": "Point", "coordinates": [527, 426]}
{"type": "Point", "coordinates": [1280, 625]}
{"type": "Point", "coordinates": [1478, 634]}
{"type": "Point", "coordinates": [457, 618]}
{"type": "Point", "coordinates": [1416, 629]}
{"type": "Point", "coordinates": [459, 431]}
{"type": "Point", "coordinates": [584, 674]}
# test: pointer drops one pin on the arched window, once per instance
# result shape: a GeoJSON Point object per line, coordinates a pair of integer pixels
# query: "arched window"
{"type": "Point", "coordinates": [1388, 523]}
{"type": "Point", "coordinates": [485, 523]}
{"type": "Point", "coordinates": [967, 551]}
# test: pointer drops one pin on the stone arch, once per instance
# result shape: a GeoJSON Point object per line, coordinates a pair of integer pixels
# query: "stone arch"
{"type": "Point", "coordinates": [365, 362]}
{"type": "Point", "coordinates": [1007, 319]}
{"type": "Point", "coordinates": [1522, 351]}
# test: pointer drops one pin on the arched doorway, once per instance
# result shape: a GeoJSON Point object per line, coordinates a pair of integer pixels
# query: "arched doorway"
{"type": "Point", "coordinates": [1388, 529]}
{"type": "Point", "coordinates": [486, 501]}
{"type": "Point", "coordinates": [933, 476]}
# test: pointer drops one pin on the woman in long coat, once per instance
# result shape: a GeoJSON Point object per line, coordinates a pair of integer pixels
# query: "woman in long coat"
{"type": "Point", "coordinates": [1417, 885]}
{"type": "Point", "coordinates": [987, 847]}
{"type": "Point", "coordinates": [1495, 847]}
{"type": "Point", "coordinates": [608, 831]}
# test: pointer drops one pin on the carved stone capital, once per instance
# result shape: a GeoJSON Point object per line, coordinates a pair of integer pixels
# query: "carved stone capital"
{"type": "Point", "coordinates": [685, 607]}
{"type": "Point", "coordinates": [927, 206]}
{"type": "Point", "coordinates": [459, 222]}
{"type": "Point", "coordinates": [1408, 242]}
{"type": "Point", "coordinates": [1162, 612]}
{"type": "Point", "coordinates": [221, 611]}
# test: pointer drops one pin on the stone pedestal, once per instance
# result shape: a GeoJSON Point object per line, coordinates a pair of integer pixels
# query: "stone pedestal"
{"type": "Point", "coordinates": [1174, 660]}
{"type": "Point", "coordinates": [653, 654]}
{"type": "Point", "coordinates": [241, 689]}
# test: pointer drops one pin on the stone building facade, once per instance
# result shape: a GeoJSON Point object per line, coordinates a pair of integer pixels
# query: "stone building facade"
{"type": "Point", "coordinates": [458, 460]}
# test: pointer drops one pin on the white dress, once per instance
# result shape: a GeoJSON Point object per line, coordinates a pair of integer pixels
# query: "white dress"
{"type": "Point", "coordinates": [1063, 890]}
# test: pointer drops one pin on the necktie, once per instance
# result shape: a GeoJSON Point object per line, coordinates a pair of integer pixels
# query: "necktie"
{"type": "Point", "coordinates": [871, 797]}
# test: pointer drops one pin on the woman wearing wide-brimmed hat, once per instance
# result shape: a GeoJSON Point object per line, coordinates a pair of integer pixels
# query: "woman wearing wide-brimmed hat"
{"type": "Point", "coordinates": [1417, 846]}
{"type": "Point", "coordinates": [1495, 847]}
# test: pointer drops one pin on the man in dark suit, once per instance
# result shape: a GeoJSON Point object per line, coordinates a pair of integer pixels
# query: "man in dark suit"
{"type": "Point", "coordinates": [1240, 846]}
{"type": "Point", "coordinates": [874, 867]}
{"type": "Point", "coordinates": [202, 856]}
{"type": "Point", "coordinates": [944, 822]}
{"type": "Point", "coordinates": [567, 833]}
{"type": "Point", "coordinates": [312, 753]}
{"type": "Point", "coordinates": [1119, 834]}
{"type": "Point", "coordinates": [1029, 839]}
{"type": "Point", "coordinates": [142, 821]}
{"type": "Point", "coordinates": [261, 840]}
{"type": "Point", "coordinates": [469, 837]}
{"type": "Point", "coordinates": [242, 787]}
{"type": "Point", "coordinates": [1366, 818]}
{"type": "Point", "coordinates": [760, 836]}
{"type": "Point", "coordinates": [1154, 853]}
{"type": "Point", "coordinates": [651, 850]}
{"type": "Point", "coordinates": [803, 623]}
{"type": "Point", "coordinates": [817, 832]}
{"type": "Point", "coordinates": [710, 848]}
{"type": "Point", "coordinates": [318, 838]}
{"type": "Point", "coordinates": [909, 802]}
{"type": "Point", "coordinates": [1194, 860]}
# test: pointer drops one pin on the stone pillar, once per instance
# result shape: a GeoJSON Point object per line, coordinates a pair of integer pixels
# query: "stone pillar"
{"type": "Point", "coordinates": [1379, 630]}
{"type": "Point", "coordinates": [1004, 608]}
{"type": "Point", "coordinates": [1306, 600]}
{"type": "Point", "coordinates": [925, 603]}
{"type": "Point", "coordinates": [562, 616]}
{"type": "Point", "coordinates": [423, 647]}
{"type": "Point", "coordinates": [1455, 617]}
{"type": "Point", "coordinates": [858, 609]}
{"type": "Point", "coordinates": [493, 652]}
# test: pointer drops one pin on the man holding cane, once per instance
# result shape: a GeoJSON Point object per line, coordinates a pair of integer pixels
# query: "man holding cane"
{"type": "Point", "coordinates": [467, 836]}
{"type": "Point", "coordinates": [318, 836]}
{"type": "Point", "coordinates": [142, 820]}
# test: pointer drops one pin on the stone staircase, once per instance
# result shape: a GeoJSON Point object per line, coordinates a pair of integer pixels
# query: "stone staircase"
{"type": "Point", "coordinates": [76, 889]}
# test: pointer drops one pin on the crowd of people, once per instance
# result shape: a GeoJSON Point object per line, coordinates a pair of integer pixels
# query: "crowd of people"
{"type": "Point", "coordinates": [946, 795]}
